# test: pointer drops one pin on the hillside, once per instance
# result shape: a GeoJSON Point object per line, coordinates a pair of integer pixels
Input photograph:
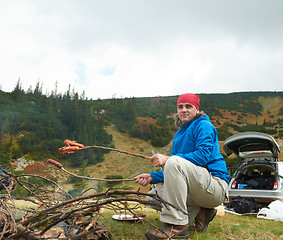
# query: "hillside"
{"type": "Point", "coordinates": [34, 126]}
{"type": "Point", "coordinates": [128, 166]}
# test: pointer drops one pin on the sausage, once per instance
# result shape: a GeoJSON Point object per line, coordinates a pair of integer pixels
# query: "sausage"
{"type": "Point", "coordinates": [69, 142]}
{"type": "Point", "coordinates": [55, 163]}
{"type": "Point", "coordinates": [68, 150]}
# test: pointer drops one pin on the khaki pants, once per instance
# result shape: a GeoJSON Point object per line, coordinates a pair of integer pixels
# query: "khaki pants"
{"type": "Point", "coordinates": [188, 187]}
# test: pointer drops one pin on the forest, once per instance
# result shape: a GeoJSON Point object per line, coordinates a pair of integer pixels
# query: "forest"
{"type": "Point", "coordinates": [36, 124]}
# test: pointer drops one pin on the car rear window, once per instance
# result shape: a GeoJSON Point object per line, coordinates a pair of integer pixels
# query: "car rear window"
{"type": "Point", "coordinates": [263, 153]}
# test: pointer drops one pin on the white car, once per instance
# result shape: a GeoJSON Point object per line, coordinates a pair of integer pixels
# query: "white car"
{"type": "Point", "coordinates": [259, 174]}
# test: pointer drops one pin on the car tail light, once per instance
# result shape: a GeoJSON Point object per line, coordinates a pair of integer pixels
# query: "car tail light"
{"type": "Point", "coordinates": [234, 184]}
{"type": "Point", "coordinates": [275, 186]}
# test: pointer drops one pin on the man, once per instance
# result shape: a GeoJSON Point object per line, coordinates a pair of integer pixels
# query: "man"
{"type": "Point", "coordinates": [195, 176]}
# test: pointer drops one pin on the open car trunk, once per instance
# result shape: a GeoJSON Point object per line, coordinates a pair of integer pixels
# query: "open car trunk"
{"type": "Point", "coordinates": [259, 176]}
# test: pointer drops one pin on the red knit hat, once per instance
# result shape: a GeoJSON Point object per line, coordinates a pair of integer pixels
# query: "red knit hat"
{"type": "Point", "coordinates": [189, 98]}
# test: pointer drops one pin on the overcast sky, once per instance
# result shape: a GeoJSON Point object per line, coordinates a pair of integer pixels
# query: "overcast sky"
{"type": "Point", "coordinates": [141, 48]}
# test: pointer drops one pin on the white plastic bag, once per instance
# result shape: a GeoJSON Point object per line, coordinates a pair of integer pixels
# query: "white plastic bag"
{"type": "Point", "coordinates": [274, 211]}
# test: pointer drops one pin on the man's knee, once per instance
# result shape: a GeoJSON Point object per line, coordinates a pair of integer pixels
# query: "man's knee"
{"type": "Point", "coordinates": [179, 164]}
{"type": "Point", "coordinates": [172, 162]}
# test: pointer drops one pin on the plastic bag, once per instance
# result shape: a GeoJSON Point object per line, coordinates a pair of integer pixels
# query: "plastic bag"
{"type": "Point", "coordinates": [274, 211]}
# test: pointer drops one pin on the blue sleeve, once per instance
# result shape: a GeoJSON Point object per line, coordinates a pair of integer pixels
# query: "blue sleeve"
{"type": "Point", "coordinates": [158, 177]}
{"type": "Point", "coordinates": [205, 136]}
{"type": "Point", "coordinates": [173, 151]}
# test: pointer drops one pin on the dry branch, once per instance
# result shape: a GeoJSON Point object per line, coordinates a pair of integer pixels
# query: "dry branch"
{"type": "Point", "coordinates": [60, 166]}
{"type": "Point", "coordinates": [76, 217]}
{"type": "Point", "coordinates": [79, 215]}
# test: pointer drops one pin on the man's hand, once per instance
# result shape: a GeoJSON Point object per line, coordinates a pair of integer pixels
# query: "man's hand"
{"type": "Point", "coordinates": [159, 160]}
{"type": "Point", "coordinates": [143, 179]}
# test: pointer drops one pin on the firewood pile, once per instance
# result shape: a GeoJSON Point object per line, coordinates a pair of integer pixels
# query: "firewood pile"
{"type": "Point", "coordinates": [55, 214]}
{"type": "Point", "coordinates": [58, 215]}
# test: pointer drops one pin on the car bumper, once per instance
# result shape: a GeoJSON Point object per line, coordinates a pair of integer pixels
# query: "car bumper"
{"type": "Point", "coordinates": [258, 195]}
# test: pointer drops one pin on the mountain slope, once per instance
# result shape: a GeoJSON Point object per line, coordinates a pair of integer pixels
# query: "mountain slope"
{"type": "Point", "coordinates": [128, 166]}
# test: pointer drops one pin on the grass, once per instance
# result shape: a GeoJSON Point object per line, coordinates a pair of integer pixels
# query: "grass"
{"type": "Point", "coordinates": [228, 226]}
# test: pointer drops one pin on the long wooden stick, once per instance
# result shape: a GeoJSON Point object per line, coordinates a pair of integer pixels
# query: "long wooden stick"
{"type": "Point", "coordinates": [60, 166]}
{"type": "Point", "coordinates": [116, 150]}
{"type": "Point", "coordinates": [73, 146]}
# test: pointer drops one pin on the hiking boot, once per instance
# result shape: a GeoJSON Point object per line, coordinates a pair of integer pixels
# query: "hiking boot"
{"type": "Point", "coordinates": [168, 231]}
{"type": "Point", "coordinates": [203, 218]}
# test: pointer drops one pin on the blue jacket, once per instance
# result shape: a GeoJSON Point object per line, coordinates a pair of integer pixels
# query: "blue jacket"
{"type": "Point", "coordinates": [197, 142]}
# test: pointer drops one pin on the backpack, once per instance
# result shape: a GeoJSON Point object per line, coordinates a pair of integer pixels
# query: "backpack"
{"type": "Point", "coordinates": [243, 205]}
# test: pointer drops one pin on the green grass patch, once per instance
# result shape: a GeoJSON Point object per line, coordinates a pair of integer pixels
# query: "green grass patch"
{"type": "Point", "coordinates": [229, 226]}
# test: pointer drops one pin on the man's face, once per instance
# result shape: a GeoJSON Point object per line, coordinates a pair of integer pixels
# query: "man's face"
{"type": "Point", "coordinates": [186, 112]}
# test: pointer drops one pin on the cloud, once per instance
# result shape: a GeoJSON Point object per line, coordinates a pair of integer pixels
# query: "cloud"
{"type": "Point", "coordinates": [142, 48]}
